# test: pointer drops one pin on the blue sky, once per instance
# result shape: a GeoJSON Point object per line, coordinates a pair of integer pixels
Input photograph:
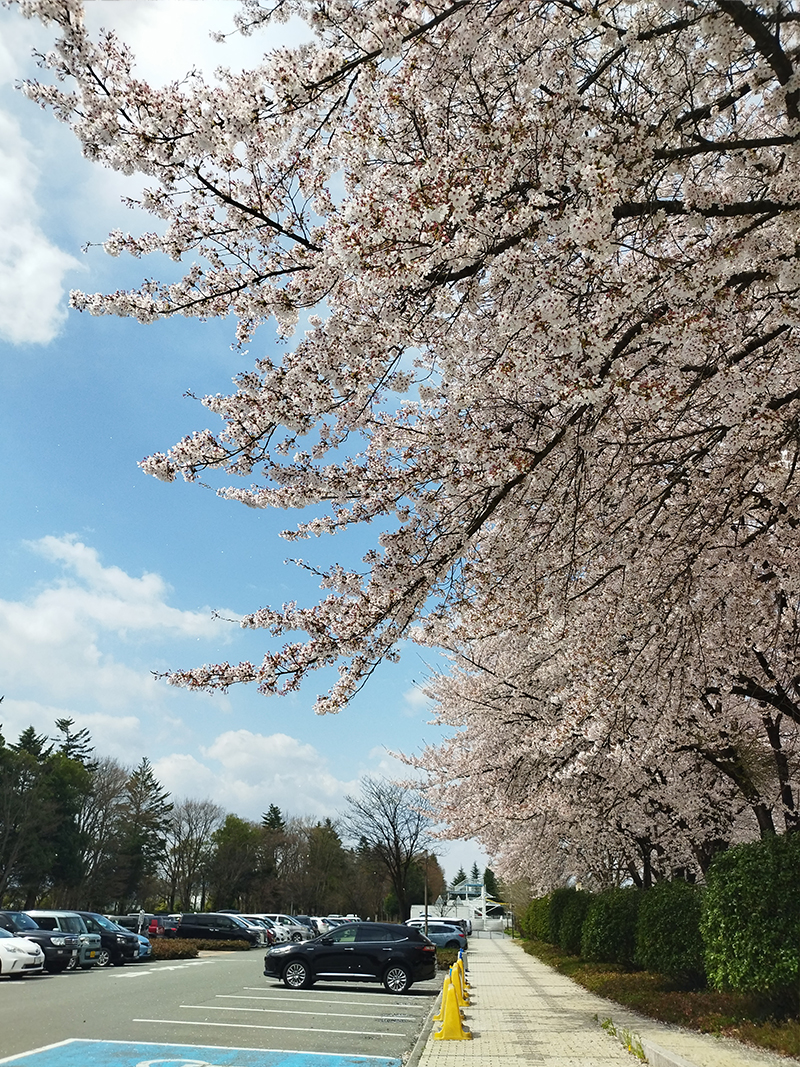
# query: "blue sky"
{"type": "Point", "coordinates": [107, 575]}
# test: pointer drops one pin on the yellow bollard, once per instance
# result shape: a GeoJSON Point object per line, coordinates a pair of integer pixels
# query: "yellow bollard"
{"type": "Point", "coordinates": [452, 1027]}
{"type": "Point", "coordinates": [440, 1013]}
{"type": "Point", "coordinates": [461, 994]}
{"type": "Point", "coordinates": [462, 968]}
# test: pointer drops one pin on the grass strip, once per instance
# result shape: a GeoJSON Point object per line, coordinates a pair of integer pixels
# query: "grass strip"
{"type": "Point", "coordinates": [751, 1018]}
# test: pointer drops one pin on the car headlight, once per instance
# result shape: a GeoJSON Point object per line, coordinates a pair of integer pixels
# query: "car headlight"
{"type": "Point", "coordinates": [59, 941]}
{"type": "Point", "coordinates": [15, 951]}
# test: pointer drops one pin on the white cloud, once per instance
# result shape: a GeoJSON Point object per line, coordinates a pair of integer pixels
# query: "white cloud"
{"type": "Point", "coordinates": [245, 772]}
{"type": "Point", "coordinates": [119, 736]}
{"type": "Point", "coordinates": [32, 268]}
{"type": "Point", "coordinates": [171, 38]}
{"type": "Point", "coordinates": [55, 645]}
{"type": "Point", "coordinates": [114, 599]}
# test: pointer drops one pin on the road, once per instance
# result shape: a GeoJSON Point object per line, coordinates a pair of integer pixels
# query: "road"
{"type": "Point", "coordinates": [221, 1000]}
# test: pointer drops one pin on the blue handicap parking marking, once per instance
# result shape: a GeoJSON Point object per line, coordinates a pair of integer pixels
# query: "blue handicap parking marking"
{"type": "Point", "coordinates": [78, 1052]}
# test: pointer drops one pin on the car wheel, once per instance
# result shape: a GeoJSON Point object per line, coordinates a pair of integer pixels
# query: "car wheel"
{"type": "Point", "coordinates": [397, 979]}
{"type": "Point", "coordinates": [452, 944]}
{"type": "Point", "coordinates": [56, 968]}
{"type": "Point", "coordinates": [16, 976]}
{"type": "Point", "coordinates": [103, 958]}
{"type": "Point", "coordinates": [120, 961]}
{"type": "Point", "coordinates": [297, 937]}
{"type": "Point", "coordinates": [296, 975]}
{"type": "Point", "coordinates": [72, 964]}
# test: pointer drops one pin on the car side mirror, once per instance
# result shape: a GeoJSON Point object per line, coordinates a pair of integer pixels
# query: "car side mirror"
{"type": "Point", "coordinates": [326, 940]}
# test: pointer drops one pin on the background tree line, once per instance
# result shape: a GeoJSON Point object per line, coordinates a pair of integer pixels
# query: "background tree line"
{"type": "Point", "coordinates": [78, 830]}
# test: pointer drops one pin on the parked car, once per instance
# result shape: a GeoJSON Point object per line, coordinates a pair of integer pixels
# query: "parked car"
{"type": "Point", "coordinates": [19, 956]}
{"type": "Point", "coordinates": [265, 923]}
{"type": "Point", "coordinates": [296, 931]}
{"type": "Point", "coordinates": [323, 925]}
{"type": "Point", "coordinates": [215, 925]}
{"type": "Point", "coordinates": [59, 949]}
{"type": "Point", "coordinates": [148, 923]}
{"type": "Point", "coordinates": [252, 924]}
{"type": "Point", "coordinates": [390, 953]}
{"type": "Point", "coordinates": [306, 920]}
{"type": "Point", "coordinates": [117, 945]}
{"type": "Point", "coordinates": [69, 922]}
{"type": "Point", "coordinates": [444, 934]}
{"type": "Point", "coordinates": [145, 948]}
{"type": "Point", "coordinates": [279, 932]}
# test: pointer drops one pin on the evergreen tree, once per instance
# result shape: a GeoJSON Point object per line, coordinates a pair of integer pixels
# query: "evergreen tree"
{"type": "Point", "coordinates": [235, 865]}
{"type": "Point", "coordinates": [272, 819]}
{"type": "Point", "coordinates": [490, 881]}
{"type": "Point", "coordinates": [145, 819]}
{"type": "Point", "coordinates": [461, 876]}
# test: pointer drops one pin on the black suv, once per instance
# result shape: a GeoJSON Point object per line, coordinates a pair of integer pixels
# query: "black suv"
{"type": "Point", "coordinates": [59, 948]}
{"type": "Point", "coordinates": [117, 946]}
{"type": "Point", "coordinates": [216, 925]}
{"type": "Point", "coordinates": [390, 953]}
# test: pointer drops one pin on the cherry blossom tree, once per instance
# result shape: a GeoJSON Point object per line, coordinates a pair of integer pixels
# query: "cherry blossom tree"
{"type": "Point", "coordinates": [551, 259]}
{"type": "Point", "coordinates": [643, 740]}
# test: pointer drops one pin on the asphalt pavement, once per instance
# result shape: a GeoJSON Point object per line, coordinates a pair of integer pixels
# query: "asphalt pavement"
{"type": "Point", "coordinates": [221, 1000]}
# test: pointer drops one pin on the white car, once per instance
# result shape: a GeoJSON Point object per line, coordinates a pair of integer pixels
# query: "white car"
{"type": "Point", "coordinates": [295, 930]}
{"type": "Point", "coordinates": [281, 932]}
{"type": "Point", "coordinates": [323, 925]}
{"type": "Point", "coordinates": [19, 956]}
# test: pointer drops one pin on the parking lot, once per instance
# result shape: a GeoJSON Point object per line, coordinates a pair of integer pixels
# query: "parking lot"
{"type": "Point", "coordinates": [219, 1001]}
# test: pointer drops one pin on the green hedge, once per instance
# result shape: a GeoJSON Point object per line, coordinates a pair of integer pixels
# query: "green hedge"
{"type": "Point", "coordinates": [609, 929]}
{"type": "Point", "coordinates": [570, 928]}
{"type": "Point", "coordinates": [535, 921]}
{"type": "Point", "coordinates": [668, 938]}
{"type": "Point", "coordinates": [751, 919]}
{"type": "Point", "coordinates": [559, 899]}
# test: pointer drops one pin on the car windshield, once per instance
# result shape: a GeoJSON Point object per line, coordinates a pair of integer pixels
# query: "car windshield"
{"type": "Point", "coordinates": [23, 921]}
{"type": "Point", "coordinates": [106, 924]}
{"type": "Point", "coordinates": [73, 923]}
{"type": "Point", "coordinates": [5, 933]}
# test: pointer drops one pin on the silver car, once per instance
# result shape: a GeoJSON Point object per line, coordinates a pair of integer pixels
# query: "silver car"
{"type": "Point", "coordinates": [294, 930]}
{"type": "Point", "coordinates": [69, 922]}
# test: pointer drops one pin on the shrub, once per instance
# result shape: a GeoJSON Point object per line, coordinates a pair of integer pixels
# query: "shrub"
{"type": "Point", "coordinates": [668, 936]}
{"type": "Point", "coordinates": [169, 948]}
{"type": "Point", "coordinates": [186, 948]}
{"type": "Point", "coordinates": [570, 929]}
{"type": "Point", "coordinates": [751, 919]}
{"type": "Point", "coordinates": [559, 899]}
{"type": "Point", "coordinates": [609, 929]}
{"type": "Point", "coordinates": [535, 922]}
{"type": "Point", "coordinates": [445, 958]}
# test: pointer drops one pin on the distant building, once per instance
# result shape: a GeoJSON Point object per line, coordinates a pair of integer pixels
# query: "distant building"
{"type": "Point", "coordinates": [466, 900]}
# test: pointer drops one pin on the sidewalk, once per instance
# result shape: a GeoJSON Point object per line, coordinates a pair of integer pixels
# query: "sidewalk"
{"type": "Point", "coordinates": [522, 1013]}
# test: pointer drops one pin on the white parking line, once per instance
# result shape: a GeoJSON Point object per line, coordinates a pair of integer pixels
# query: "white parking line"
{"type": "Point", "coordinates": [161, 968]}
{"type": "Point", "coordinates": [261, 1026]}
{"type": "Point", "coordinates": [290, 1011]}
{"type": "Point", "coordinates": [306, 1000]}
{"type": "Point", "coordinates": [329, 992]}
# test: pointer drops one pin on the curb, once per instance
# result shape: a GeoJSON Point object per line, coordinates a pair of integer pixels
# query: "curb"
{"type": "Point", "coordinates": [415, 1054]}
{"type": "Point", "coordinates": [661, 1057]}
